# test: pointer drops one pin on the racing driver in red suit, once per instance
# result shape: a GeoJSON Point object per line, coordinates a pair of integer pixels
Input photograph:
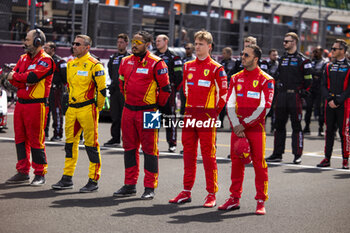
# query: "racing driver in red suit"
{"type": "Point", "coordinates": [32, 76]}
{"type": "Point", "coordinates": [248, 102]}
{"type": "Point", "coordinates": [205, 88]}
{"type": "Point", "coordinates": [144, 82]}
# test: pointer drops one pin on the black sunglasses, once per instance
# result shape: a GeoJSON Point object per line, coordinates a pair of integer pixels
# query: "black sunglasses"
{"type": "Point", "coordinates": [335, 49]}
{"type": "Point", "coordinates": [76, 44]}
{"type": "Point", "coordinates": [287, 41]}
{"type": "Point", "coordinates": [187, 48]}
{"type": "Point", "coordinates": [244, 54]}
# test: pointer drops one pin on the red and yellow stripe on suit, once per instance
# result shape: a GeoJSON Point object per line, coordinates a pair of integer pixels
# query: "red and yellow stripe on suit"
{"type": "Point", "coordinates": [145, 85]}
{"type": "Point", "coordinates": [205, 88]}
{"type": "Point", "coordinates": [87, 82]}
{"type": "Point", "coordinates": [32, 77]}
{"type": "Point", "coordinates": [249, 100]}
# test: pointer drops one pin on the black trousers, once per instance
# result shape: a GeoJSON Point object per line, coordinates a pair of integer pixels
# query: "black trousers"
{"type": "Point", "coordinates": [169, 114]}
{"type": "Point", "coordinates": [116, 106]}
{"type": "Point", "coordinates": [314, 102]}
{"type": "Point", "coordinates": [288, 104]}
{"type": "Point", "coordinates": [337, 117]}
{"type": "Point", "coordinates": [56, 109]}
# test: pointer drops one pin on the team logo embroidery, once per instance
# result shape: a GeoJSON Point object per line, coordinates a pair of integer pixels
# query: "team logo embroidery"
{"type": "Point", "coordinates": [85, 65]}
{"type": "Point", "coordinates": [239, 87]}
{"type": "Point", "coordinates": [255, 83]}
{"type": "Point", "coordinates": [190, 76]}
{"type": "Point", "coordinates": [206, 72]}
{"type": "Point", "coordinates": [144, 63]}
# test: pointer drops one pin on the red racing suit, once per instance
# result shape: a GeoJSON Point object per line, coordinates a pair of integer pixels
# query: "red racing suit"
{"type": "Point", "coordinates": [32, 77]}
{"type": "Point", "coordinates": [249, 100]}
{"type": "Point", "coordinates": [205, 88]}
{"type": "Point", "coordinates": [144, 82]}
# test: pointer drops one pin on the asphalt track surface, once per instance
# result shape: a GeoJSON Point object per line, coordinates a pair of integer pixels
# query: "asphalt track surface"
{"type": "Point", "coordinates": [303, 198]}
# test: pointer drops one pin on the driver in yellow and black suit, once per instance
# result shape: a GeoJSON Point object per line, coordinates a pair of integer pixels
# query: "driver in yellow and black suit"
{"type": "Point", "coordinates": [87, 90]}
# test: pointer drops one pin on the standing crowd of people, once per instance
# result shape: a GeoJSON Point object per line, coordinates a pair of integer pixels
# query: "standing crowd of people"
{"type": "Point", "coordinates": [246, 90]}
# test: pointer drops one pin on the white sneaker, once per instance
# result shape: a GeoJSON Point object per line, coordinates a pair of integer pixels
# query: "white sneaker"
{"type": "Point", "coordinates": [172, 149]}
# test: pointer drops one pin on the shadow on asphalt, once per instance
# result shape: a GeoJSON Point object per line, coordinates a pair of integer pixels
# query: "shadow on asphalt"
{"type": "Point", "coordinates": [168, 209]}
{"type": "Point", "coordinates": [342, 176]}
{"type": "Point", "coordinates": [303, 170]}
{"type": "Point", "coordinates": [91, 202]}
{"type": "Point", "coordinates": [215, 216]}
{"type": "Point", "coordinates": [35, 194]}
{"type": "Point", "coordinates": [154, 210]}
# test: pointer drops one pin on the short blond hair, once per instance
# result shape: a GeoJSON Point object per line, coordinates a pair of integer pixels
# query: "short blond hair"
{"type": "Point", "coordinates": [293, 35]}
{"type": "Point", "coordinates": [250, 39]}
{"type": "Point", "coordinates": [163, 36]}
{"type": "Point", "coordinates": [86, 38]}
{"type": "Point", "coordinates": [204, 35]}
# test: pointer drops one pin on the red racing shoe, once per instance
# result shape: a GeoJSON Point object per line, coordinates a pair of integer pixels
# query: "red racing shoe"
{"type": "Point", "coordinates": [260, 208]}
{"type": "Point", "coordinates": [324, 163]}
{"type": "Point", "coordinates": [210, 201]}
{"type": "Point", "coordinates": [183, 197]}
{"type": "Point", "coordinates": [230, 204]}
{"type": "Point", "coordinates": [345, 163]}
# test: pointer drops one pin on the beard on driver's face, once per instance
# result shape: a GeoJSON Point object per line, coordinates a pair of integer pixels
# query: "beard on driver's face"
{"type": "Point", "coordinates": [138, 52]}
{"type": "Point", "coordinates": [28, 48]}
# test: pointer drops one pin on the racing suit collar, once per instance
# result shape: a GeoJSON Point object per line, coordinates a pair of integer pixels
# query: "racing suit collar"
{"type": "Point", "coordinates": [141, 59]}
{"type": "Point", "coordinates": [292, 54]}
{"type": "Point", "coordinates": [37, 55]}
{"type": "Point", "coordinates": [341, 60]}
{"type": "Point", "coordinates": [252, 73]}
{"type": "Point", "coordinates": [86, 56]}
{"type": "Point", "coordinates": [205, 60]}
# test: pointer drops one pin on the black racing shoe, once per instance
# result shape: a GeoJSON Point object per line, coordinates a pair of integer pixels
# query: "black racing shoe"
{"type": "Point", "coordinates": [125, 191]}
{"type": "Point", "coordinates": [112, 143]}
{"type": "Point", "coordinates": [56, 139]}
{"type": "Point", "coordinates": [324, 163]}
{"type": "Point", "coordinates": [297, 159]}
{"type": "Point", "coordinates": [38, 181]}
{"type": "Point", "coordinates": [306, 130]}
{"type": "Point", "coordinates": [19, 178]}
{"type": "Point", "coordinates": [89, 187]}
{"type": "Point", "coordinates": [148, 194]}
{"type": "Point", "coordinates": [65, 183]}
{"type": "Point", "coordinates": [274, 158]}
{"type": "Point", "coordinates": [320, 132]}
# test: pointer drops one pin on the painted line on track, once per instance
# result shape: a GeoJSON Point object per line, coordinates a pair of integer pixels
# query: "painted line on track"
{"type": "Point", "coordinates": [310, 154]}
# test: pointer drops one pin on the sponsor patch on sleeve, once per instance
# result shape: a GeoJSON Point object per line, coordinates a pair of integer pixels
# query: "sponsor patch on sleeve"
{"type": "Point", "coordinates": [224, 84]}
{"type": "Point", "coordinates": [99, 73]}
{"type": "Point", "coordinates": [42, 63]}
{"type": "Point", "coordinates": [263, 66]}
{"type": "Point", "coordinates": [178, 62]}
{"type": "Point", "coordinates": [270, 85]}
{"type": "Point", "coordinates": [222, 73]}
{"type": "Point", "coordinates": [162, 71]}
{"type": "Point", "coordinates": [307, 66]}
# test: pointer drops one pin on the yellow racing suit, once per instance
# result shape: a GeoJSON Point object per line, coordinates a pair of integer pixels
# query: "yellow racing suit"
{"type": "Point", "coordinates": [87, 90]}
